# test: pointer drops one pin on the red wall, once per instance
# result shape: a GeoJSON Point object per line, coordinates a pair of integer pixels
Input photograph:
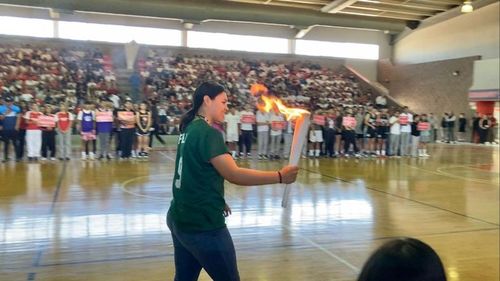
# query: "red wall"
{"type": "Point", "coordinates": [485, 107]}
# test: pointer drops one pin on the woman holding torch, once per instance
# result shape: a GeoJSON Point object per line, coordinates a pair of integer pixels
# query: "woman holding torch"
{"type": "Point", "coordinates": [196, 215]}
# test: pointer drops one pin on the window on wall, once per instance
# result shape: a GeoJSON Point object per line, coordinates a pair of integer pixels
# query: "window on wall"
{"type": "Point", "coordinates": [119, 33]}
{"type": "Point", "coordinates": [223, 41]}
{"type": "Point", "coordinates": [26, 27]}
{"type": "Point", "coordinates": [335, 49]}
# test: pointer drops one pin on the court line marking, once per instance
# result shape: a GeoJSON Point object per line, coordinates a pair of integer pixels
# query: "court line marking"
{"type": "Point", "coordinates": [125, 183]}
{"type": "Point", "coordinates": [171, 245]}
{"type": "Point", "coordinates": [402, 197]}
{"type": "Point", "coordinates": [38, 257]}
{"type": "Point", "coordinates": [107, 260]}
{"type": "Point", "coordinates": [470, 166]}
{"type": "Point", "coordinates": [309, 241]}
{"type": "Point", "coordinates": [437, 172]}
{"type": "Point", "coordinates": [166, 156]}
{"type": "Point", "coordinates": [326, 251]}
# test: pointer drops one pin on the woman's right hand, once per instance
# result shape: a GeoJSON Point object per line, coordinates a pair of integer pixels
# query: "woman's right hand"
{"type": "Point", "coordinates": [289, 174]}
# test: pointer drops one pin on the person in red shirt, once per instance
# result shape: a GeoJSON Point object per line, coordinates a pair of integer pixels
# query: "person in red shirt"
{"type": "Point", "coordinates": [33, 133]}
{"type": "Point", "coordinates": [64, 121]}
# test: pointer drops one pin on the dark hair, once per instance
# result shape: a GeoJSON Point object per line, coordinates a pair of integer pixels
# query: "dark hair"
{"type": "Point", "coordinates": [405, 259]}
{"type": "Point", "coordinates": [210, 89]}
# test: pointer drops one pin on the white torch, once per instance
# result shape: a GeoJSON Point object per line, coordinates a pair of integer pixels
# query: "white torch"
{"type": "Point", "coordinates": [302, 121]}
{"type": "Point", "coordinates": [299, 136]}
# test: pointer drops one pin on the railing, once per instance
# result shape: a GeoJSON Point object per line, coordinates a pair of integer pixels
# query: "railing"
{"type": "Point", "coordinates": [376, 88]}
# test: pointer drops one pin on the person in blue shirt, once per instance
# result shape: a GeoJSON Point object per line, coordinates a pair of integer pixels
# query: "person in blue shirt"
{"type": "Point", "coordinates": [10, 117]}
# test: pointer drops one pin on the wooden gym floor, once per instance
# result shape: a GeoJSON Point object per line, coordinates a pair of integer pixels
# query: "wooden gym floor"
{"type": "Point", "coordinates": [106, 220]}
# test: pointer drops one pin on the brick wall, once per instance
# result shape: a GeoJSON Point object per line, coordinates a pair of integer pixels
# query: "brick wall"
{"type": "Point", "coordinates": [436, 87]}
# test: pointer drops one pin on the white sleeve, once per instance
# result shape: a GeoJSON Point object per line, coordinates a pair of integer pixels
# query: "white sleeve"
{"type": "Point", "coordinates": [80, 115]}
{"type": "Point", "coordinates": [71, 116]}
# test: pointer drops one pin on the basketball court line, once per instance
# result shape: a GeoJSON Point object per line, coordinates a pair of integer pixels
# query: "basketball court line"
{"type": "Point", "coordinates": [440, 170]}
{"type": "Point", "coordinates": [125, 183]}
{"type": "Point", "coordinates": [169, 255]}
{"type": "Point", "coordinates": [402, 197]}
{"type": "Point", "coordinates": [437, 172]}
{"type": "Point", "coordinates": [41, 247]}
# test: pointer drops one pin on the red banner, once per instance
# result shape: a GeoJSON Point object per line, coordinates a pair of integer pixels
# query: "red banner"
{"type": "Point", "coordinates": [104, 116]}
{"type": "Point", "coordinates": [319, 120]}
{"type": "Point", "coordinates": [277, 125]}
{"type": "Point", "coordinates": [126, 115]}
{"type": "Point", "coordinates": [46, 121]}
{"type": "Point", "coordinates": [423, 126]}
{"type": "Point", "coordinates": [403, 119]}
{"type": "Point", "coordinates": [349, 122]}
{"type": "Point", "coordinates": [248, 119]}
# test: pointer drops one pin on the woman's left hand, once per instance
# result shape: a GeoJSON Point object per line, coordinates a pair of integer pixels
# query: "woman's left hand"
{"type": "Point", "coordinates": [227, 210]}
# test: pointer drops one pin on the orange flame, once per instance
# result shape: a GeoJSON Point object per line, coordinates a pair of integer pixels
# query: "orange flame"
{"type": "Point", "coordinates": [271, 102]}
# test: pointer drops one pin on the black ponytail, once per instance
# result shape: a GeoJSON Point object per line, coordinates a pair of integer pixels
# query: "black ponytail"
{"type": "Point", "coordinates": [210, 89]}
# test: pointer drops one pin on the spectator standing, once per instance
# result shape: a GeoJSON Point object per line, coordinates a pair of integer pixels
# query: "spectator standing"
{"type": "Point", "coordinates": [247, 121]}
{"type": "Point", "coordinates": [104, 128]}
{"type": "Point", "coordinates": [262, 134]}
{"type": "Point", "coordinates": [33, 133]}
{"type": "Point", "coordinates": [86, 126]}
{"type": "Point", "coordinates": [395, 131]}
{"type": "Point", "coordinates": [405, 121]}
{"type": "Point", "coordinates": [64, 121]}
{"type": "Point", "coordinates": [232, 120]}
{"type": "Point", "coordinates": [47, 122]}
{"type": "Point", "coordinates": [277, 124]}
{"type": "Point", "coordinates": [10, 120]}
{"type": "Point", "coordinates": [462, 124]}
{"type": "Point", "coordinates": [450, 127]}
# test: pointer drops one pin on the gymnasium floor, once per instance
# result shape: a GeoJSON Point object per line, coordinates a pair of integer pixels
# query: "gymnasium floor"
{"type": "Point", "coordinates": [106, 220]}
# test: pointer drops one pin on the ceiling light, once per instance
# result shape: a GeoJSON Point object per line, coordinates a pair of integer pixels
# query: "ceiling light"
{"type": "Point", "coordinates": [467, 7]}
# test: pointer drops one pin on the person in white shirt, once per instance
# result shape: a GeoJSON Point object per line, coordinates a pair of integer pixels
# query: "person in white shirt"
{"type": "Point", "coordinates": [405, 120]}
{"type": "Point", "coordinates": [380, 101]}
{"type": "Point", "coordinates": [162, 114]}
{"type": "Point", "coordinates": [277, 124]}
{"type": "Point", "coordinates": [232, 120]}
{"type": "Point", "coordinates": [116, 100]}
{"type": "Point", "coordinates": [262, 133]}
{"type": "Point", "coordinates": [247, 120]}
{"type": "Point", "coordinates": [395, 132]}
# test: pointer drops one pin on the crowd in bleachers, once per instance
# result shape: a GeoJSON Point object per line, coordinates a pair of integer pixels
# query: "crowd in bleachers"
{"type": "Point", "coordinates": [346, 119]}
{"type": "Point", "coordinates": [300, 84]}
{"type": "Point", "coordinates": [53, 76]}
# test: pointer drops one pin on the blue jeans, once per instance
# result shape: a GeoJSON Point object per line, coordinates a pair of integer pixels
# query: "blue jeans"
{"type": "Point", "coordinates": [211, 250]}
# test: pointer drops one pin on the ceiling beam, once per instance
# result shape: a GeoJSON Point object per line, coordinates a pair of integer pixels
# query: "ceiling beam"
{"type": "Point", "coordinates": [310, 2]}
{"type": "Point", "coordinates": [408, 4]}
{"type": "Point", "coordinates": [299, 5]}
{"type": "Point", "coordinates": [391, 15]}
{"type": "Point", "coordinates": [385, 8]}
{"type": "Point", "coordinates": [302, 32]}
{"type": "Point", "coordinates": [337, 5]}
{"type": "Point", "coordinates": [203, 10]}
{"type": "Point", "coordinates": [441, 2]}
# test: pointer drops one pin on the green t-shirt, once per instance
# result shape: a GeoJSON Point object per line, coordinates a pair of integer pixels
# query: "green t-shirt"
{"type": "Point", "coordinates": [198, 189]}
